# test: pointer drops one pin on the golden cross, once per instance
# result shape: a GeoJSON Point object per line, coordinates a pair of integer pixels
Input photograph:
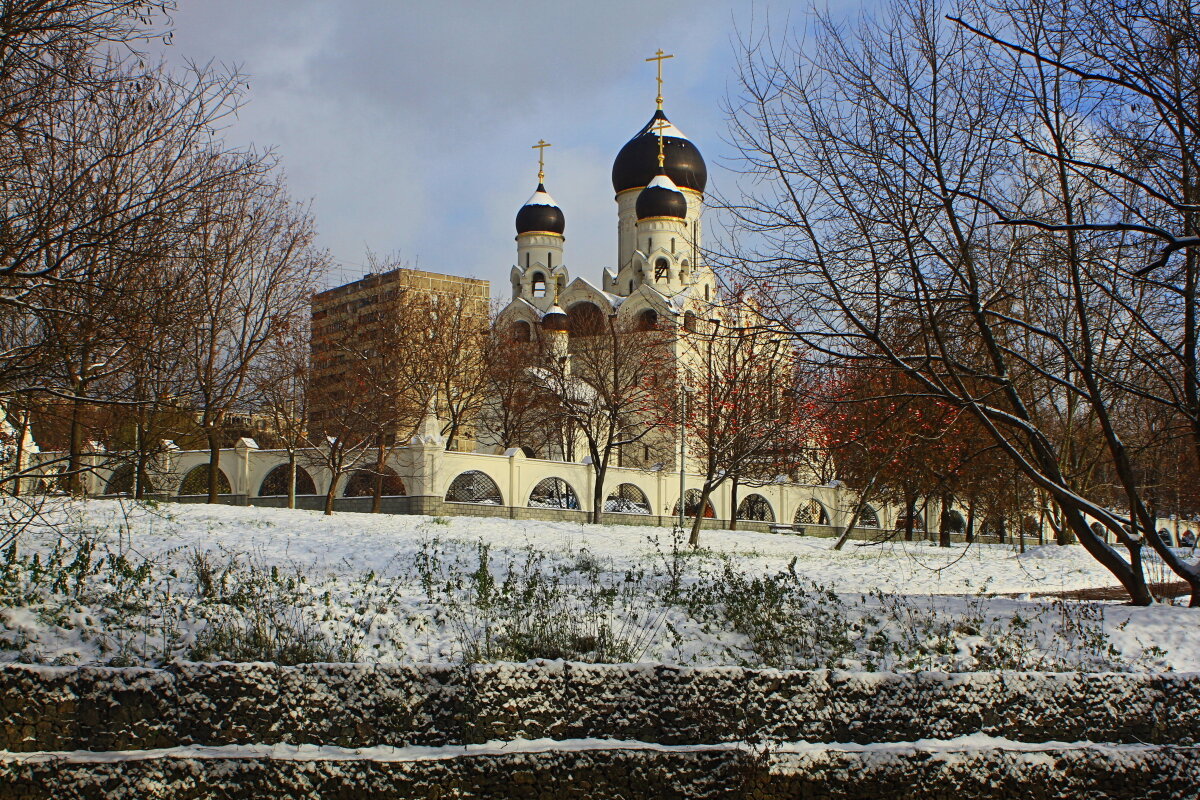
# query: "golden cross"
{"type": "Point", "coordinates": [659, 57]}
{"type": "Point", "coordinates": [541, 148]}
{"type": "Point", "coordinates": [660, 126]}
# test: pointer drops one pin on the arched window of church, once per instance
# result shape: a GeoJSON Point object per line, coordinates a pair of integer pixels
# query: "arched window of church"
{"type": "Point", "coordinates": [689, 322]}
{"type": "Point", "coordinates": [672, 245]}
{"type": "Point", "coordinates": [585, 319]}
{"type": "Point", "coordinates": [647, 320]}
{"type": "Point", "coordinates": [539, 285]}
{"type": "Point", "coordinates": [550, 260]}
{"type": "Point", "coordinates": [521, 331]}
{"type": "Point", "coordinates": [526, 260]}
{"type": "Point", "coordinates": [661, 270]}
{"type": "Point", "coordinates": [707, 295]}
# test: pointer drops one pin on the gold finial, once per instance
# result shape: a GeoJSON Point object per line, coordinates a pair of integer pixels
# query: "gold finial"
{"type": "Point", "coordinates": [659, 56]}
{"type": "Point", "coordinates": [659, 127]}
{"type": "Point", "coordinates": [541, 148]}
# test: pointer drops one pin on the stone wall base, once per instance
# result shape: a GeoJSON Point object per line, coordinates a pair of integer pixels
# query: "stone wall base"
{"type": "Point", "coordinates": [645, 774]}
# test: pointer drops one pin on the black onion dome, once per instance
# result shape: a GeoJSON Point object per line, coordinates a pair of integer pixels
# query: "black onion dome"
{"type": "Point", "coordinates": [637, 163]}
{"type": "Point", "coordinates": [541, 213]}
{"type": "Point", "coordinates": [661, 198]}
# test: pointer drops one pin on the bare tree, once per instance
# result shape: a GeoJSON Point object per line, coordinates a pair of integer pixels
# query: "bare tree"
{"type": "Point", "coordinates": [606, 388]}
{"type": "Point", "coordinates": [880, 156]}
{"type": "Point", "coordinates": [255, 268]}
{"type": "Point", "coordinates": [745, 408]}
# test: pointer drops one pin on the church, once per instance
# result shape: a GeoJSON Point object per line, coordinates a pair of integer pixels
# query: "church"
{"type": "Point", "coordinates": [660, 277]}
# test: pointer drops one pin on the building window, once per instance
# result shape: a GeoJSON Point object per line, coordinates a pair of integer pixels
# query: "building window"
{"type": "Point", "coordinates": [539, 285]}
{"type": "Point", "coordinates": [661, 270]}
{"type": "Point", "coordinates": [672, 245]}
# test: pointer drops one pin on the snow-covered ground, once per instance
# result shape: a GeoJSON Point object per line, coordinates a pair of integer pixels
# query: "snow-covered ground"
{"type": "Point", "coordinates": [211, 582]}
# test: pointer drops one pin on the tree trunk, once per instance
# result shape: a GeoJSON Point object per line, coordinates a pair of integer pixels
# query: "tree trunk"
{"type": "Point", "coordinates": [140, 457]}
{"type": "Point", "coordinates": [75, 456]}
{"type": "Point", "coordinates": [733, 506]}
{"type": "Point", "coordinates": [330, 494]}
{"type": "Point", "coordinates": [598, 496]}
{"type": "Point", "coordinates": [291, 489]}
{"type": "Point", "coordinates": [705, 493]}
{"type": "Point", "coordinates": [971, 522]}
{"type": "Point", "coordinates": [910, 504]}
{"type": "Point", "coordinates": [944, 523]}
{"type": "Point", "coordinates": [19, 466]}
{"type": "Point", "coordinates": [214, 465]}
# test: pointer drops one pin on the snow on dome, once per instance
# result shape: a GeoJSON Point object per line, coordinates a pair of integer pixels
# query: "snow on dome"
{"type": "Point", "coordinates": [661, 198]}
{"type": "Point", "coordinates": [541, 214]}
{"type": "Point", "coordinates": [541, 197]}
{"type": "Point", "coordinates": [662, 181]}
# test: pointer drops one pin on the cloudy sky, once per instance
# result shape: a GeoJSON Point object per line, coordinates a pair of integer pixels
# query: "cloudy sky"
{"type": "Point", "coordinates": [410, 125]}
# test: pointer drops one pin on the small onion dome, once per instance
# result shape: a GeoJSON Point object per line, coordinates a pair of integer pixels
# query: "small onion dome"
{"type": "Point", "coordinates": [541, 214]}
{"type": "Point", "coordinates": [661, 198]}
{"type": "Point", "coordinates": [555, 319]}
{"type": "Point", "coordinates": [637, 163]}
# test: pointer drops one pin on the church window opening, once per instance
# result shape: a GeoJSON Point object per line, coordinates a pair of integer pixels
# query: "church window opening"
{"type": "Point", "coordinates": [550, 260]}
{"type": "Point", "coordinates": [672, 245]}
{"type": "Point", "coordinates": [539, 285]}
{"type": "Point", "coordinates": [521, 331]}
{"type": "Point", "coordinates": [527, 261]}
{"type": "Point", "coordinates": [689, 322]}
{"type": "Point", "coordinates": [584, 319]}
{"type": "Point", "coordinates": [706, 292]}
{"type": "Point", "coordinates": [661, 271]}
{"type": "Point", "coordinates": [648, 320]}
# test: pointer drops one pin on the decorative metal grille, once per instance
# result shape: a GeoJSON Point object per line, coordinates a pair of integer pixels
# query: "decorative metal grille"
{"type": "Point", "coordinates": [362, 484]}
{"type": "Point", "coordinates": [196, 481]}
{"type": "Point", "coordinates": [121, 481]}
{"type": "Point", "coordinates": [811, 513]}
{"type": "Point", "coordinates": [474, 486]}
{"type": "Point", "coordinates": [692, 499]}
{"type": "Point", "coordinates": [755, 508]}
{"type": "Point", "coordinates": [627, 499]}
{"type": "Point", "coordinates": [869, 518]}
{"type": "Point", "coordinates": [553, 493]}
{"type": "Point", "coordinates": [276, 482]}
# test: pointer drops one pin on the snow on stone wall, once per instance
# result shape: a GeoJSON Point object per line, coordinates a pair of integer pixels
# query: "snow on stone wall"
{"type": "Point", "coordinates": [592, 770]}
{"type": "Point", "coordinates": [69, 708]}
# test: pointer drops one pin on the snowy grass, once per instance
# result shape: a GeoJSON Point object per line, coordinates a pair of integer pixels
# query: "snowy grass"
{"type": "Point", "coordinates": [100, 582]}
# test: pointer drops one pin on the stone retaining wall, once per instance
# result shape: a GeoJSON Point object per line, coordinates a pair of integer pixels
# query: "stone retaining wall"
{"type": "Point", "coordinates": [633, 774]}
{"type": "Point", "coordinates": [52, 708]}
